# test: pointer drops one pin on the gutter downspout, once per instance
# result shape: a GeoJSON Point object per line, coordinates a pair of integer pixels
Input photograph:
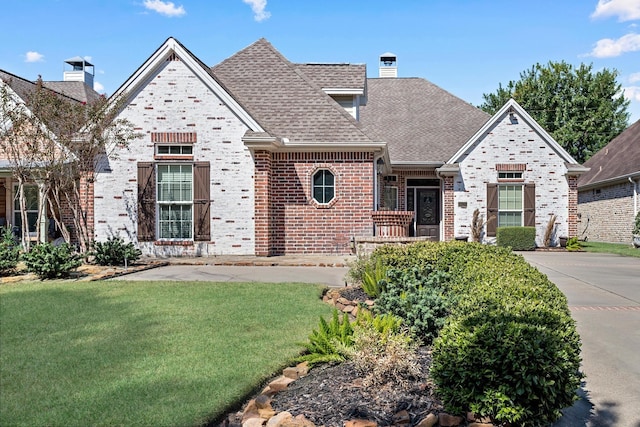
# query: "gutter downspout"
{"type": "Point", "coordinates": [635, 195]}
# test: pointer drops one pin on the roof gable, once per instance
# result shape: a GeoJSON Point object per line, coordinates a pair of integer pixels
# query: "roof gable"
{"type": "Point", "coordinates": [619, 159]}
{"type": "Point", "coordinates": [512, 106]}
{"type": "Point", "coordinates": [283, 99]}
{"type": "Point", "coordinates": [170, 47]}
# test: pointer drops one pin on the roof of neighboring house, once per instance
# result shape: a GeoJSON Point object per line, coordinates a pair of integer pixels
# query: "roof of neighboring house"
{"type": "Point", "coordinates": [619, 159]}
{"type": "Point", "coordinates": [283, 99]}
{"type": "Point", "coordinates": [336, 76]}
{"type": "Point", "coordinates": [420, 121]}
{"type": "Point", "coordinates": [76, 90]}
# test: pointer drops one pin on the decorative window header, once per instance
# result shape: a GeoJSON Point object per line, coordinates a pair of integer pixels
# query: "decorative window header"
{"type": "Point", "coordinates": [511, 167]}
{"type": "Point", "coordinates": [178, 137]}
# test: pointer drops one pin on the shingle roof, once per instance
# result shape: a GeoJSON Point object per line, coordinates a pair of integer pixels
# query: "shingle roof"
{"type": "Point", "coordinates": [618, 159]}
{"type": "Point", "coordinates": [283, 99]}
{"type": "Point", "coordinates": [76, 90]}
{"type": "Point", "coordinates": [20, 86]}
{"type": "Point", "coordinates": [351, 76]}
{"type": "Point", "coordinates": [420, 121]}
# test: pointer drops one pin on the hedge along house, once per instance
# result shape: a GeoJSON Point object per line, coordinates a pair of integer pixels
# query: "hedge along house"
{"type": "Point", "coordinates": [259, 155]}
{"type": "Point", "coordinates": [609, 194]}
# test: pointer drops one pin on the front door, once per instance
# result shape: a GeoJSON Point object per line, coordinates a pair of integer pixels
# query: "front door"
{"type": "Point", "coordinates": [426, 205]}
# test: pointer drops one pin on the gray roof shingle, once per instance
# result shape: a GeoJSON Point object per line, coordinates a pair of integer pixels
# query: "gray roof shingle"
{"type": "Point", "coordinates": [618, 159]}
{"type": "Point", "coordinates": [420, 121]}
{"type": "Point", "coordinates": [283, 99]}
{"type": "Point", "coordinates": [76, 90]}
{"type": "Point", "coordinates": [344, 76]}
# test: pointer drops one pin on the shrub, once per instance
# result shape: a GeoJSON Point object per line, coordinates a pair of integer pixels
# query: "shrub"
{"type": "Point", "coordinates": [114, 252]}
{"type": "Point", "coordinates": [636, 226]}
{"type": "Point", "coordinates": [9, 251]}
{"type": "Point", "coordinates": [418, 298]}
{"type": "Point", "coordinates": [573, 244]}
{"type": "Point", "coordinates": [49, 262]}
{"type": "Point", "coordinates": [517, 238]}
{"type": "Point", "coordinates": [510, 349]}
{"type": "Point", "coordinates": [327, 343]}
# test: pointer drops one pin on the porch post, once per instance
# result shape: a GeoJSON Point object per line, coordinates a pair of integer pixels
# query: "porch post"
{"type": "Point", "coordinates": [263, 229]}
{"type": "Point", "coordinates": [447, 173]}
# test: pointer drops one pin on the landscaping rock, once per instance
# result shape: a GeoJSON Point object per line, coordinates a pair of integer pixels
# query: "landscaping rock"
{"type": "Point", "coordinates": [360, 423]}
{"type": "Point", "coordinates": [446, 420]}
{"type": "Point", "coordinates": [254, 422]}
{"type": "Point", "coordinates": [280, 419]}
{"type": "Point", "coordinates": [429, 421]}
{"type": "Point", "coordinates": [402, 417]}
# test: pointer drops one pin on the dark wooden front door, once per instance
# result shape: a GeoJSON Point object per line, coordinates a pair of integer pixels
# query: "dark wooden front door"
{"type": "Point", "coordinates": [426, 205]}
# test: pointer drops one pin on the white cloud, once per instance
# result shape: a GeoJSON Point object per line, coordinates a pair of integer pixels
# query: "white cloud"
{"type": "Point", "coordinates": [607, 48]}
{"type": "Point", "coordinates": [625, 10]}
{"type": "Point", "coordinates": [98, 87]}
{"type": "Point", "coordinates": [164, 8]}
{"type": "Point", "coordinates": [634, 78]}
{"type": "Point", "coordinates": [258, 6]}
{"type": "Point", "coordinates": [632, 93]}
{"type": "Point", "coordinates": [33, 57]}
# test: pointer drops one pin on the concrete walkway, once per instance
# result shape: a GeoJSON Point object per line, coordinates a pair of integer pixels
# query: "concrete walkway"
{"type": "Point", "coordinates": [603, 292]}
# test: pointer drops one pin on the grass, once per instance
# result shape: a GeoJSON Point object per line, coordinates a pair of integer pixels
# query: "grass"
{"type": "Point", "coordinates": [144, 353]}
{"type": "Point", "coordinates": [611, 248]}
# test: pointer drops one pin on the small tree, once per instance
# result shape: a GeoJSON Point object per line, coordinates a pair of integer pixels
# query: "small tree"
{"type": "Point", "coordinates": [59, 142]}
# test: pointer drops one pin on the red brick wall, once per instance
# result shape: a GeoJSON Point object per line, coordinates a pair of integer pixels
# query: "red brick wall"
{"type": "Point", "coordinates": [448, 208]}
{"type": "Point", "coordinates": [295, 224]}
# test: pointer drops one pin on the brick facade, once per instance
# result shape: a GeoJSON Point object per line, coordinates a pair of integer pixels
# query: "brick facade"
{"type": "Point", "coordinates": [293, 223]}
{"type": "Point", "coordinates": [176, 106]}
{"type": "Point", "coordinates": [606, 213]}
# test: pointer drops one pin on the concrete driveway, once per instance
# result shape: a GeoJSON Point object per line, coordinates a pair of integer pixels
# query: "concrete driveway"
{"type": "Point", "coordinates": [603, 292]}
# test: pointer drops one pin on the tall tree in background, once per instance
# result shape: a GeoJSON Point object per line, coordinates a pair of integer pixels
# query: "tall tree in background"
{"type": "Point", "coordinates": [583, 110]}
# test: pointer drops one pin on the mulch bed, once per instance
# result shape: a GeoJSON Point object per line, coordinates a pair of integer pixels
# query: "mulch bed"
{"type": "Point", "coordinates": [332, 394]}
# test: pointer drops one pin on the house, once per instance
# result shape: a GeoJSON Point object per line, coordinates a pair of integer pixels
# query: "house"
{"type": "Point", "coordinates": [609, 194]}
{"type": "Point", "coordinates": [17, 90]}
{"type": "Point", "coordinates": [261, 156]}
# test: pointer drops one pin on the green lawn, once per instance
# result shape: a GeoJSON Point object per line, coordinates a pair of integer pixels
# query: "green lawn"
{"type": "Point", "coordinates": [611, 248]}
{"type": "Point", "coordinates": [144, 353]}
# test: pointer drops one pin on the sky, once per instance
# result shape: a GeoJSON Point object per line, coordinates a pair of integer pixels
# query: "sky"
{"type": "Point", "coordinates": [467, 47]}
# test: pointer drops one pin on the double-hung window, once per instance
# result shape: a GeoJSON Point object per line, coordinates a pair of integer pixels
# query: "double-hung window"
{"type": "Point", "coordinates": [510, 205]}
{"type": "Point", "coordinates": [175, 201]}
{"type": "Point", "coordinates": [31, 208]}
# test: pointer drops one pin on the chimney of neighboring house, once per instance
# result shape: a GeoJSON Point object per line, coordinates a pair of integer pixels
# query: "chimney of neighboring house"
{"type": "Point", "coordinates": [388, 65]}
{"type": "Point", "coordinates": [81, 71]}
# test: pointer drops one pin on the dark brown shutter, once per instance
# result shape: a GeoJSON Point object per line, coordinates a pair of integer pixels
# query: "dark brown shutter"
{"type": "Point", "coordinates": [492, 209]}
{"type": "Point", "coordinates": [146, 202]}
{"type": "Point", "coordinates": [529, 205]}
{"type": "Point", "coordinates": [201, 202]}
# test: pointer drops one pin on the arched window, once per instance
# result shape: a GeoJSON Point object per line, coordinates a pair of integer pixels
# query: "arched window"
{"type": "Point", "coordinates": [323, 186]}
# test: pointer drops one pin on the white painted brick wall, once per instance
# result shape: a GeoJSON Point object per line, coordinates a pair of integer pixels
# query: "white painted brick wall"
{"type": "Point", "coordinates": [512, 143]}
{"type": "Point", "coordinates": [175, 100]}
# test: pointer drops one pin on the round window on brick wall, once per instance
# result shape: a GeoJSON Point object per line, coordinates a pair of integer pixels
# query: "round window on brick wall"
{"type": "Point", "coordinates": [323, 186]}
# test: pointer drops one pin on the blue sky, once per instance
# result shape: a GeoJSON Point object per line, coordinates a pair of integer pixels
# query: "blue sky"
{"type": "Point", "coordinates": [466, 47]}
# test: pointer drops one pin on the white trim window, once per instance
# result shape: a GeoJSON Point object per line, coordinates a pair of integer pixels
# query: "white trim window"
{"type": "Point", "coordinates": [174, 150]}
{"type": "Point", "coordinates": [175, 201]}
{"type": "Point", "coordinates": [510, 205]}
{"type": "Point", "coordinates": [31, 202]}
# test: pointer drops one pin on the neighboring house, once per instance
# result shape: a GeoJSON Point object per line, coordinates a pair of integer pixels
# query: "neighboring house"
{"type": "Point", "coordinates": [609, 194]}
{"type": "Point", "coordinates": [19, 90]}
{"type": "Point", "coordinates": [259, 155]}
